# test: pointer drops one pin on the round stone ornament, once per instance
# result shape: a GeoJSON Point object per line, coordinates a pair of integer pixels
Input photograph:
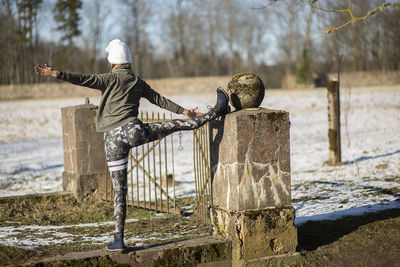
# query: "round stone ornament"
{"type": "Point", "coordinates": [246, 90]}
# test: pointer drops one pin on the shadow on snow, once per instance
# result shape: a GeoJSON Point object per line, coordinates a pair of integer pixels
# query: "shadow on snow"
{"type": "Point", "coordinates": [363, 158]}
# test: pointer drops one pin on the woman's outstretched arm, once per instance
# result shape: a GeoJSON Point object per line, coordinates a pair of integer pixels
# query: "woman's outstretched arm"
{"type": "Point", "coordinates": [46, 70]}
{"type": "Point", "coordinates": [94, 81]}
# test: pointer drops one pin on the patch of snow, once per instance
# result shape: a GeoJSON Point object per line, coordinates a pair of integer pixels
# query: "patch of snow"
{"type": "Point", "coordinates": [34, 236]}
{"type": "Point", "coordinates": [354, 211]}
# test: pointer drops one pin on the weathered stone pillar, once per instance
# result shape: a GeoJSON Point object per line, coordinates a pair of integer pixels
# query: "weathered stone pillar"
{"type": "Point", "coordinates": [250, 160]}
{"type": "Point", "coordinates": [85, 167]}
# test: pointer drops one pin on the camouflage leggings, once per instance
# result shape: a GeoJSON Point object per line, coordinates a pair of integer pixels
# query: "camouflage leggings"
{"type": "Point", "coordinates": [118, 143]}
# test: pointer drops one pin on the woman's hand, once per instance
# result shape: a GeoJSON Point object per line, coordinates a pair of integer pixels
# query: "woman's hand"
{"type": "Point", "coordinates": [191, 112]}
{"type": "Point", "coordinates": [46, 71]}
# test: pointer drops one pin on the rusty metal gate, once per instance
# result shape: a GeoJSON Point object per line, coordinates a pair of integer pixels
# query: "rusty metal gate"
{"type": "Point", "coordinates": [151, 173]}
{"type": "Point", "coordinates": [150, 162]}
{"type": "Point", "coordinates": [202, 172]}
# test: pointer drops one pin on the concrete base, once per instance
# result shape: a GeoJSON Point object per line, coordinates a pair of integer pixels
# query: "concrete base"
{"type": "Point", "coordinates": [257, 234]}
{"type": "Point", "coordinates": [279, 260]}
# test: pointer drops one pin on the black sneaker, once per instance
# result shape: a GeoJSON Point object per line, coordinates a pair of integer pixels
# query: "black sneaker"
{"type": "Point", "coordinates": [117, 245]}
{"type": "Point", "coordinates": [222, 107]}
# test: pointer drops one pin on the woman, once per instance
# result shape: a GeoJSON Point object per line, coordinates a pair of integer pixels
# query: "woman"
{"type": "Point", "coordinates": [117, 117]}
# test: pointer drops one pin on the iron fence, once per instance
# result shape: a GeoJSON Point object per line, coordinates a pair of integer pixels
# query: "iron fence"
{"type": "Point", "coordinates": [202, 172]}
{"type": "Point", "coordinates": [151, 173]}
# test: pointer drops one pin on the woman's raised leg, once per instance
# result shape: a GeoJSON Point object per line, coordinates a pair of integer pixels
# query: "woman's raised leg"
{"type": "Point", "coordinates": [143, 133]}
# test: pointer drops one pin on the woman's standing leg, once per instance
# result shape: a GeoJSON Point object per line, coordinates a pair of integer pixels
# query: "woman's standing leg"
{"type": "Point", "coordinates": [117, 144]}
{"type": "Point", "coordinates": [117, 151]}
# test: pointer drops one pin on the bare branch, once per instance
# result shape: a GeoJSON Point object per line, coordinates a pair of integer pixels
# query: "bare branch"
{"type": "Point", "coordinates": [353, 19]}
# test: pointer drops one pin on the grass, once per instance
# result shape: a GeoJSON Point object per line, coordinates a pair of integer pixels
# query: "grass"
{"type": "Point", "coordinates": [66, 211]}
{"type": "Point", "coordinates": [59, 210]}
{"type": "Point", "coordinates": [368, 240]}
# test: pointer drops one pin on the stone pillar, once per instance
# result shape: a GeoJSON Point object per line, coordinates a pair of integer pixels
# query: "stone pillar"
{"type": "Point", "coordinates": [250, 161]}
{"type": "Point", "coordinates": [85, 167]}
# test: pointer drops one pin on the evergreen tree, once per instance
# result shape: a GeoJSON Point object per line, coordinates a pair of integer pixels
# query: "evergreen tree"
{"type": "Point", "coordinates": [303, 72]}
{"type": "Point", "coordinates": [66, 14]}
{"type": "Point", "coordinates": [27, 13]}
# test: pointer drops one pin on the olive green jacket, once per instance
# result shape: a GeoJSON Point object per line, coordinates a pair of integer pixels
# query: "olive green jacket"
{"type": "Point", "coordinates": [121, 91]}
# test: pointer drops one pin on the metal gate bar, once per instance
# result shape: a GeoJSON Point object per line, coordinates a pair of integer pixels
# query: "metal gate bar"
{"type": "Point", "coordinates": [202, 172]}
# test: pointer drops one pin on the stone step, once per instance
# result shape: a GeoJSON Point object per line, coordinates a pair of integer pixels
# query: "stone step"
{"type": "Point", "coordinates": [206, 251]}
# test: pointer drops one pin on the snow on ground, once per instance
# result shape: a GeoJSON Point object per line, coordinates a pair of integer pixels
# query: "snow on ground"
{"type": "Point", "coordinates": [31, 159]}
{"type": "Point", "coordinates": [33, 236]}
{"type": "Point", "coordinates": [370, 151]}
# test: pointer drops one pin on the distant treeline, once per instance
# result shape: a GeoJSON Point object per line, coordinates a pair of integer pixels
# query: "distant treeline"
{"type": "Point", "coordinates": [184, 38]}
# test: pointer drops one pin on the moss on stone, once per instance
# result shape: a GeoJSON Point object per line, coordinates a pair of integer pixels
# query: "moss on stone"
{"type": "Point", "coordinates": [273, 116]}
{"type": "Point", "coordinates": [271, 217]}
{"type": "Point", "coordinates": [238, 75]}
{"type": "Point", "coordinates": [272, 232]}
{"type": "Point", "coordinates": [191, 256]}
{"type": "Point", "coordinates": [235, 85]}
{"type": "Point", "coordinates": [246, 94]}
{"type": "Point", "coordinates": [171, 257]}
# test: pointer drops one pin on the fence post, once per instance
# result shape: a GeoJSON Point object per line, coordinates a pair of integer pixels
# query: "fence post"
{"type": "Point", "coordinates": [85, 168]}
{"type": "Point", "coordinates": [335, 153]}
{"type": "Point", "coordinates": [251, 192]}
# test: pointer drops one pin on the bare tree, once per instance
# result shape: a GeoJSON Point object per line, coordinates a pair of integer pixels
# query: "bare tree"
{"type": "Point", "coordinates": [389, 52]}
{"type": "Point", "coordinates": [288, 34]}
{"type": "Point", "coordinates": [95, 21]}
{"type": "Point", "coordinates": [210, 20]}
{"type": "Point", "coordinates": [231, 11]}
{"type": "Point", "coordinates": [136, 34]}
{"type": "Point", "coordinates": [178, 18]}
{"type": "Point", "coordinates": [252, 33]}
{"type": "Point", "coordinates": [19, 20]}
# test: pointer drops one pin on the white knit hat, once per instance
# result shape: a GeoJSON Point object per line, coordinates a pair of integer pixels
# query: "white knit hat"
{"type": "Point", "coordinates": [118, 52]}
